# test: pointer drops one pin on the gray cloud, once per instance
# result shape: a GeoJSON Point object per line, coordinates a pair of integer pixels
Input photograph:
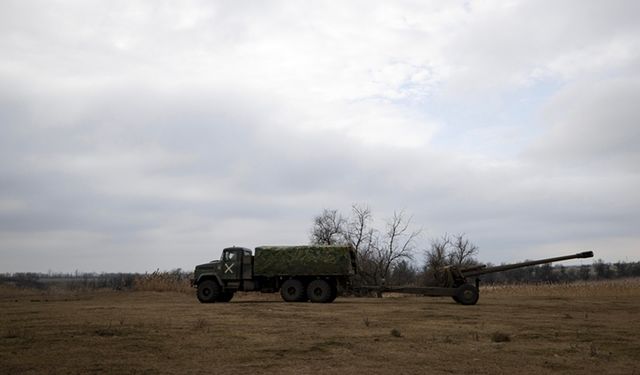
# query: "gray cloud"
{"type": "Point", "coordinates": [137, 136]}
{"type": "Point", "coordinates": [594, 123]}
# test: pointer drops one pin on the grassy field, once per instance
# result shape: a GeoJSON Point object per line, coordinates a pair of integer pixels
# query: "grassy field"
{"type": "Point", "coordinates": [578, 329]}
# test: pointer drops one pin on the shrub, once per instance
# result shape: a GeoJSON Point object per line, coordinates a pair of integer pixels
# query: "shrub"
{"type": "Point", "coordinates": [396, 333]}
{"type": "Point", "coordinates": [500, 337]}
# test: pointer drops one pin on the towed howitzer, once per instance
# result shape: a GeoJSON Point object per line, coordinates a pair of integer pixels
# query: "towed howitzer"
{"type": "Point", "coordinates": [454, 276]}
{"type": "Point", "coordinates": [453, 281]}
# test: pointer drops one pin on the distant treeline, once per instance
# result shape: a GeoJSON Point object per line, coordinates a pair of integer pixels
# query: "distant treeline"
{"type": "Point", "coordinates": [404, 273]}
{"type": "Point", "coordinates": [92, 280]}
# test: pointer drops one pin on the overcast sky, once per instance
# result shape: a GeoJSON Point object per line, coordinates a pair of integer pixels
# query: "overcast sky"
{"type": "Point", "coordinates": [144, 135]}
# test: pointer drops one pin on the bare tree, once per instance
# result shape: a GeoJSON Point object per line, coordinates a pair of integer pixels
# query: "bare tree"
{"type": "Point", "coordinates": [359, 232]}
{"type": "Point", "coordinates": [398, 243]}
{"type": "Point", "coordinates": [454, 250]}
{"type": "Point", "coordinates": [436, 257]}
{"type": "Point", "coordinates": [364, 240]}
{"type": "Point", "coordinates": [329, 228]}
{"type": "Point", "coordinates": [462, 251]}
{"type": "Point", "coordinates": [403, 273]}
{"type": "Point", "coordinates": [377, 253]}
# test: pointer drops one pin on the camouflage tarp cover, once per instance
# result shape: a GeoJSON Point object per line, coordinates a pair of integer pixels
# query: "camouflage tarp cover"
{"type": "Point", "coordinates": [304, 260]}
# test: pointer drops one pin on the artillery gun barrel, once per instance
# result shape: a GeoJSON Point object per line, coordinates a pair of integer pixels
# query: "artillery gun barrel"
{"type": "Point", "coordinates": [473, 268]}
{"type": "Point", "coordinates": [506, 267]}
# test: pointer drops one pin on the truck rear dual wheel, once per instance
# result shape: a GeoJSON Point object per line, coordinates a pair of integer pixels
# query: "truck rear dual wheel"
{"type": "Point", "coordinates": [208, 291]}
{"type": "Point", "coordinates": [293, 290]}
{"type": "Point", "coordinates": [320, 291]}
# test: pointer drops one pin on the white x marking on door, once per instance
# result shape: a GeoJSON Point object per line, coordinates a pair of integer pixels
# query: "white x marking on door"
{"type": "Point", "coordinates": [228, 268]}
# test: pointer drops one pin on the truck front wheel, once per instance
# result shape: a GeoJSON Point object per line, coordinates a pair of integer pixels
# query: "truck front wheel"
{"type": "Point", "coordinates": [320, 291]}
{"type": "Point", "coordinates": [208, 291]}
{"type": "Point", "coordinates": [292, 290]}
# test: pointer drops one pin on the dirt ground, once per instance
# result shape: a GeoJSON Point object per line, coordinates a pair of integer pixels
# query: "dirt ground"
{"type": "Point", "coordinates": [584, 329]}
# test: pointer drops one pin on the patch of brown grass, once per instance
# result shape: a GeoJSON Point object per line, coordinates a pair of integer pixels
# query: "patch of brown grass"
{"type": "Point", "coordinates": [149, 332]}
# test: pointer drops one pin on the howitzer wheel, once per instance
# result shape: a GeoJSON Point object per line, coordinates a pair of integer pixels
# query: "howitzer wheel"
{"type": "Point", "coordinates": [320, 291]}
{"type": "Point", "coordinates": [293, 290]}
{"type": "Point", "coordinates": [208, 291]}
{"type": "Point", "coordinates": [467, 294]}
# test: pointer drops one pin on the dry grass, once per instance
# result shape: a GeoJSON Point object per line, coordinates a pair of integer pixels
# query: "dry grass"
{"type": "Point", "coordinates": [549, 331]}
{"type": "Point", "coordinates": [620, 287]}
{"type": "Point", "coordinates": [162, 282]}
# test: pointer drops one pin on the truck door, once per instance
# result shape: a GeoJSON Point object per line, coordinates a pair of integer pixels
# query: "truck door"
{"type": "Point", "coordinates": [232, 264]}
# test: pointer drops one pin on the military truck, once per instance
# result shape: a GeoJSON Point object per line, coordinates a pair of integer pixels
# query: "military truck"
{"type": "Point", "coordinates": [300, 273]}
{"type": "Point", "coordinates": [314, 273]}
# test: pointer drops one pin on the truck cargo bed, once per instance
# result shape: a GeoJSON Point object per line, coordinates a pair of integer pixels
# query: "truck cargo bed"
{"type": "Point", "coordinates": [272, 261]}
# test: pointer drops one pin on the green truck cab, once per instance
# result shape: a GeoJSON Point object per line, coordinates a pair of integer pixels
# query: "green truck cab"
{"type": "Point", "coordinates": [299, 273]}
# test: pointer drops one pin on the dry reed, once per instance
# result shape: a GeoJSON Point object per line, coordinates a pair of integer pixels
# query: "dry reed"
{"type": "Point", "coordinates": [163, 282]}
{"type": "Point", "coordinates": [620, 287]}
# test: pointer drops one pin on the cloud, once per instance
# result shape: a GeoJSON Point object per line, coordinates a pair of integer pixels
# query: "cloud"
{"type": "Point", "coordinates": [593, 122]}
{"type": "Point", "coordinates": [500, 46]}
{"type": "Point", "coordinates": [137, 136]}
